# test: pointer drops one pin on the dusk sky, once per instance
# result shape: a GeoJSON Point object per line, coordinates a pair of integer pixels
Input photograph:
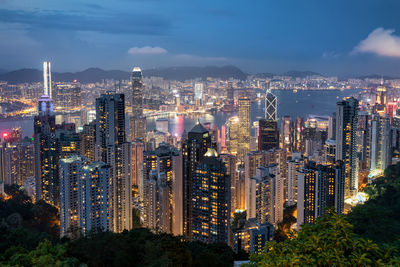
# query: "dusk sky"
{"type": "Point", "coordinates": [330, 37]}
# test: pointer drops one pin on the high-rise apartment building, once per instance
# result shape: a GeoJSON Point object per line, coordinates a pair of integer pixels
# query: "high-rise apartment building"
{"type": "Point", "coordinates": [380, 143]}
{"type": "Point", "coordinates": [210, 200]}
{"type": "Point", "coordinates": [346, 140]}
{"type": "Point", "coordinates": [112, 148]}
{"type": "Point", "coordinates": [193, 150]}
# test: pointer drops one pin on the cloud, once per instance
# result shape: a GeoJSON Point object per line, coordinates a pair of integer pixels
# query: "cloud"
{"type": "Point", "coordinates": [380, 42]}
{"type": "Point", "coordinates": [109, 22]}
{"type": "Point", "coordinates": [147, 50]}
{"type": "Point", "coordinates": [330, 55]}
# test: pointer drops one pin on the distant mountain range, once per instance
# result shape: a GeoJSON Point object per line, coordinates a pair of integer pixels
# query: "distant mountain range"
{"type": "Point", "coordinates": [97, 74]}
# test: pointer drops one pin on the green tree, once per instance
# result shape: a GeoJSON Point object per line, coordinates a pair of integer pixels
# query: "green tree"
{"type": "Point", "coordinates": [330, 241]}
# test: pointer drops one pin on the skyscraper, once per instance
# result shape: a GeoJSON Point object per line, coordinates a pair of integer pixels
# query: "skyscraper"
{"type": "Point", "coordinates": [287, 134]}
{"type": "Point", "coordinates": [380, 147]}
{"type": "Point", "coordinates": [47, 79]}
{"type": "Point", "coordinates": [346, 137]}
{"type": "Point", "coordinates": [137, 92]}
{"type": "Point", "coordinates": [268, 136]}
{"type": "Point", "coordinates": [45, 144]}
{"type": "Point", "coordinates": [193, 150]}
{"type": "Point", "coordinates": [271, 110]}
{"type": "Point", "coordinates": [210, 200]}
{"type": "Point", "coordinates": [112, 148]}
{"type": "Point", "coordinates": [244, 127]}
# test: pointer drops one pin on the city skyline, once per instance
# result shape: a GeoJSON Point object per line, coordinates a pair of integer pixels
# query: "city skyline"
{"type": "Point", "coordinates": [360, 37]}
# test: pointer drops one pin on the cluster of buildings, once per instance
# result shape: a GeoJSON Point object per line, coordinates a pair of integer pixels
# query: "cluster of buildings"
{"type": "Point", "coordinates": [195, 184]}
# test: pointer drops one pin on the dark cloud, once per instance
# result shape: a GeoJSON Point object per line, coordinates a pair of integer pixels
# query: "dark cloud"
{"type": "Point", "coordinates": [107, 23]}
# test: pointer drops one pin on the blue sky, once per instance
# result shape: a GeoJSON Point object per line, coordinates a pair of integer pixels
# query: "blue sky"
{"type": "Point", "coordinates": [329, 36]}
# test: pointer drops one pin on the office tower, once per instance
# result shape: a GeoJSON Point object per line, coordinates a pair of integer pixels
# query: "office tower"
{"type": "Point", "coordinates": [46, 158]}
{"type": "Point", "coordinates": [193, 150]}
{"type": "Point", "coordinates": [319, 187]}
{"type": "Point", "coordinates": [268, 136]}
{"type": "Point", "coordinates": [47, 79]}
{"type": "Point", "coordinates": [88, 141]}
{"type": "Point", "coordinates": [287, 133]}
{"type": "Point", "coordinates": [330, 151]}
{"type": "Point", "coordinates": [271, 110]}
{"type": "Point", "coordinates": [381, 154]}
{"type": "Point", "coordinates": [346, 149]}
{"type": "Point", "coordinates": [232, 135]}
{"type": "Point", "coordinates": [158, 178]}
{"type": "Point", "coordinates": [96, 198]}
{"type": "Point", "coordinates": [230, 164]}
{"type": "Point", "coordinates": [137, 92]}
{"type": "Point", "coordinates": [162, 125]}
{"type": "Point", "coordinates": [198, 92]}
{"type": "Point", "coordinates": [252, 237]}
{"type": "Point", "coordinates": [381, 96]}
{"type": "Point", "coordinates": [244, 127]}
{"type": "Point", "coordinates": [210, 200]}
{"type": "Point", "coordinates": [137, 161]}
{"type": "Point", "coordinates": [70, 183]}
{"type": "Point", "coordinates": [112, 148]}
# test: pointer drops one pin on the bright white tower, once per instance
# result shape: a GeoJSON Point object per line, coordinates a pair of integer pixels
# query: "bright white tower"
{"type": "Point", "coordinates": [47, 78]}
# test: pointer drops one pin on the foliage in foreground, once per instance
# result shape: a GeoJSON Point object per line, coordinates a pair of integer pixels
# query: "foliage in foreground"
{"type": "Point", "coordinates": [378, 219]}
{"type": "Point", "coordinates": [330, 241]}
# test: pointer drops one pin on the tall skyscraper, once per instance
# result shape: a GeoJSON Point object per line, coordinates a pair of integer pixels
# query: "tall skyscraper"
{"type": "Point", "coordinates": [47, 79]}
{"type": "Point", "coordinates": [88, 141]}
{"type": "Point", "coordinates": [210, 200]}
{"type": "Point", "coordinates": [70, 183]}
{"type": "Point", "coordinates": [137, 123]}
{"type": "Point", "coordinates": [287, 134]}
{"type": "Point", "coordinates": [112, 148]}
{"type": "Point", "coordinates": [380, 148]}
{"type": "Point", "coordinates": [346, 142]}
{"type": "Point", "coordinates": [137, 92]}
{"type": "Point", "coordinates": [268, 136]}
{"type": "Point", "coordinates": [230, 164]}
{"type": "Point", "coordinates": [193, 150]}
{"type": "Point", "coordinates": [271, 110]}
{"type": "Point", "coordinates": [45, 144]}
{"type": "Point", "coordinates": [244, 127]}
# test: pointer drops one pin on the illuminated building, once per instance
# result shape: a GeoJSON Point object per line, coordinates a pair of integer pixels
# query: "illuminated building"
{"type": "Point", "coordinates": [85, 196]}
{"type": "Point", "coordinates": [230, 164]}
{"type": "Point", "coordinates": [67, 95]}
{"type": "Point", "coordinates": [70, 186]}
{"type": "Point", "coordinates": [9, 163]}
{"type": "Point", "coordinates": [137, 161]}
{"type": "Point", "coordinates": [230, 93]}
{"type": "Point", "coordinates": [268, 135]}
{"type": "Point", "coordinates": [88, 141]}
{"type": "Point", "coordinates": [158, 179]}
{"type": "Point", "coordinates": [47, 84]}
{"type": "Point", "coordinates": [319, 187]}
{"type": "Point", "coordinates": [244, 127]}
{"type": "Point", "coordinates": [346, 148]}
{"type": "Point", "coordinates": [293, 167]}
{"type": "Point", "coordinates": [45, 144]}
{"type": "Point", "coordinates": [210, 200]}
{"type": "Point", "coordinates": [137, 128]}
{"type": "Point", "coordinates": [96, 198]}
{"type": "Point", "coordinates": [299, 138]}
{"type": "Point", "coordinates": [232, 134]}
{"type": "Point", "coordinates": [271, 110]}
{"type": "Point", "coordinates": [287, 134]}
{"type": "Point", "coordinates": [137, 92]}
{"type": "Point", "coordinates": [381, 154]}
{"type": "Point", "coordinates": [198, 92]}
{"type": "Point", "coordinates": [332, 127]}
{"type": "Point", "coordinates": [112, 148]}
{"type": "Point", "coordinates": [193, 150]}
{"type": "Point", "coordinates": [252, 237]}
{"type": "Point", "coordinates": [68, 141]}
{"type": "Point", "coordinates": [363, 139]}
